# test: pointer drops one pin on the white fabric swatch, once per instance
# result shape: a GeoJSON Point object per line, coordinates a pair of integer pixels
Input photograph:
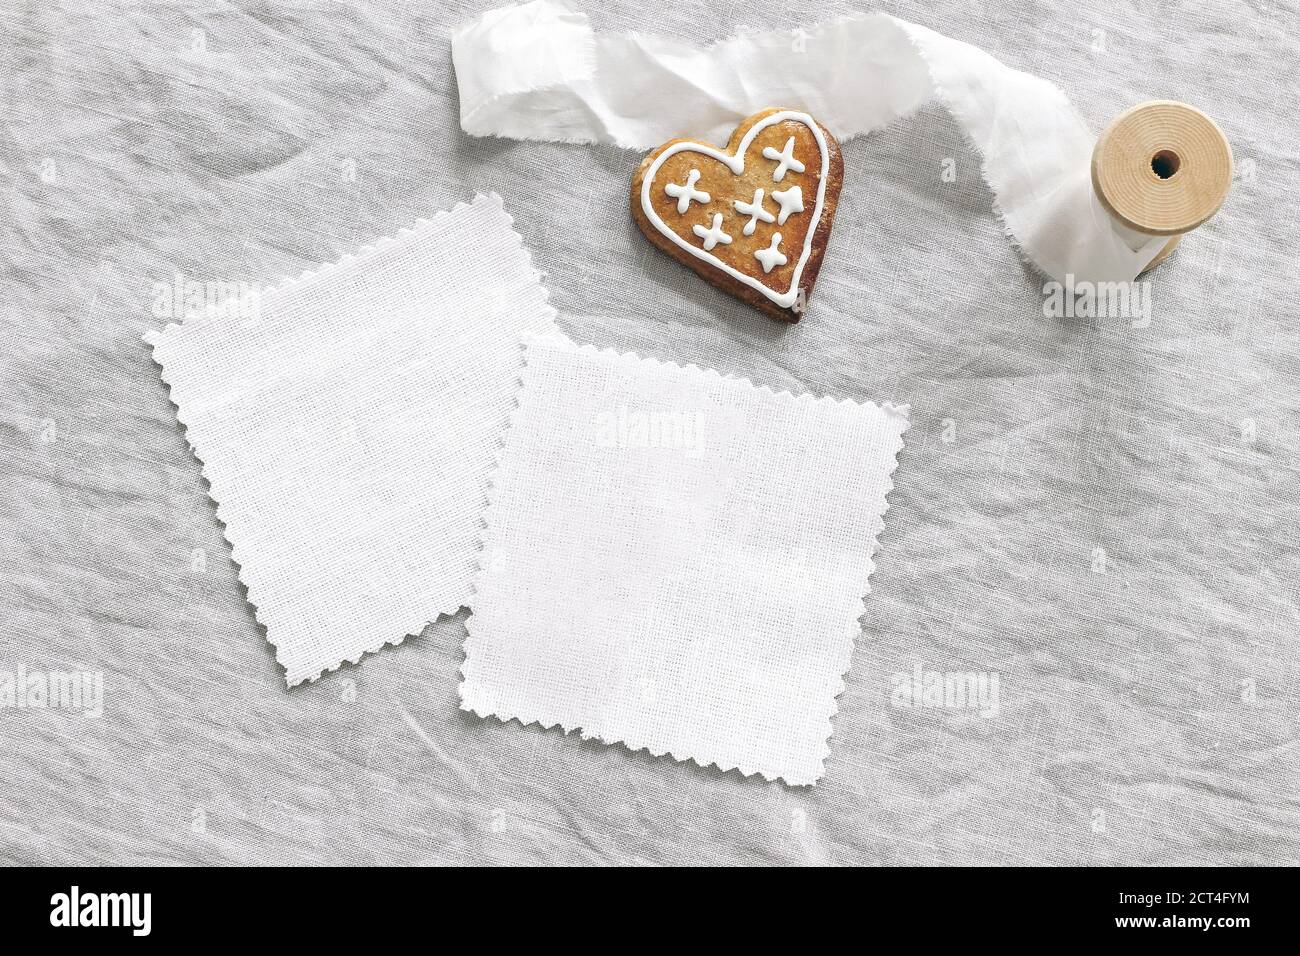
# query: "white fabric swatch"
{"type": "Point", "coordinates": [677, 561]}
{"type": "Point", "coordinates": [348, 428]}
{"type": "Point", "coordinates": [539, 71]}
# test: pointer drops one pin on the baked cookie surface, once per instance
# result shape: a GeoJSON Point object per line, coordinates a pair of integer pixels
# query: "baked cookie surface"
{"type": "Point", "coordinates": [754, 218]}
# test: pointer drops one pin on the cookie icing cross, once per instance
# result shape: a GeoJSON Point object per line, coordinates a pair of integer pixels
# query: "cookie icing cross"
{"type": "Point", "coordinates": [685, 194]}
{"type": "Point", "coordinates": [785, 160]}
{"type": "Point", "coordinates": [714, 234]}
{"type": "Point", "coordinates": [790, 200]}
{"type": "Point", "coordinates": [772, 256]}
{"type": "Point", "coordinates": [755, 211]}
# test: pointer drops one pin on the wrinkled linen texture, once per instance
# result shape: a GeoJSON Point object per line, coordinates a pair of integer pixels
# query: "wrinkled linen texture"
{"type": "Point", "coordinates": [1103, 515]}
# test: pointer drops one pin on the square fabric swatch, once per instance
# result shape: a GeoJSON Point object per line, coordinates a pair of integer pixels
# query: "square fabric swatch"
{"type": "Point", "coordinates": [348, 424]}
{"type": "Point", "coordinates": [677, 561]}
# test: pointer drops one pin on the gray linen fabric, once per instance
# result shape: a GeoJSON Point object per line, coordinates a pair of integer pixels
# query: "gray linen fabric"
{"type": "Point", "coordinates": [1102, 513]}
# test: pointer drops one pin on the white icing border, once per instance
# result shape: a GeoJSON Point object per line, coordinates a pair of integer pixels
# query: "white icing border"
{"type": "Point", "coordinates": [736, 164]}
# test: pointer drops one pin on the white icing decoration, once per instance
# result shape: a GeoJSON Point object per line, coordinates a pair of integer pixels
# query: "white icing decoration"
{"type": "Point", "coordinates": [714, 234]}
{"type": "Point", "coordinates": [685, 194]}
{"type": "Point", "coordinates": [785, 160]}
{"type": "Point", "coordinates": [736, 164]}
{"type": "Point", "coordinates": [755, 211]}
{"type": "Point", "coordinates": [790, 200]}
{"type": "Point", "coordinates": [772, 256]}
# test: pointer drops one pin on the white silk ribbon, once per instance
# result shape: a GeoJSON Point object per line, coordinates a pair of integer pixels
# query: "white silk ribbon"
{"type": "Point", "coordinates": [538, 71]}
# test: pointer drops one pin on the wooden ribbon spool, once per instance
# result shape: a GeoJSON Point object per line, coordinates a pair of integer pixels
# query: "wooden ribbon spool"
{"type": "Point", "coordinates": [1161, 169]}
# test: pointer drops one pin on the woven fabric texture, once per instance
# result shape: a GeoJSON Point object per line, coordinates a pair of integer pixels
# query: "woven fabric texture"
{"type": "Point", "coordinates": [1102, 512]}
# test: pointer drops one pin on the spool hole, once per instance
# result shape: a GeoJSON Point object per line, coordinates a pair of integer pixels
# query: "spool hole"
{"type": "Point", "coordinates": [1165, 163]}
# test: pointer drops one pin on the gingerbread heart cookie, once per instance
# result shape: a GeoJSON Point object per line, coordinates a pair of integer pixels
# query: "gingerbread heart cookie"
{"type": "Point", "coordinates": [753, 219]}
